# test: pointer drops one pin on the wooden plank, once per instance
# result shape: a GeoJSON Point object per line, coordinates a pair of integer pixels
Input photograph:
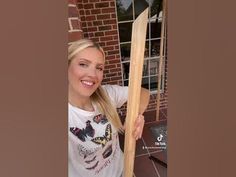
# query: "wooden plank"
{"type": "Point", "coordinates": [163, 24]}
{"type": "Point", "coordinates": [139, 29]}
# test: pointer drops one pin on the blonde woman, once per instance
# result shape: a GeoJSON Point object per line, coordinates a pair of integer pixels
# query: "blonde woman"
{"type": "Point", "coordinates": [94, 149]}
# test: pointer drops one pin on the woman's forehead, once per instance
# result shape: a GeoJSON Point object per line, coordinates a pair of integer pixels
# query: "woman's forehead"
{"type": "Point", "coordinates": [91, 54]}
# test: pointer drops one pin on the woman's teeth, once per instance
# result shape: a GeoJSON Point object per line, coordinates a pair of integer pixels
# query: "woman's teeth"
{"type": "Point", "coordinates": [87, 83]}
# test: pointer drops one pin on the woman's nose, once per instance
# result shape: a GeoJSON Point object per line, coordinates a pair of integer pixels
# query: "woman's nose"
{"type": "Point", "coordinates": [92, 72]}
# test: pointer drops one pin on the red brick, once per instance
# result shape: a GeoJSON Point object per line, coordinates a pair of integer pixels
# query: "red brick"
{"type": "Point", "coordinates": [103, 17]}
{"type": "Point", "coordinates": [114, 26]}
{"type": "Point", "coordinates": [101, 5]}
{"type": "Point", "coordinates": [112, 4]}
{"type": "Point", "coordinates": [97, 23]}
{"type": "Point", "coordinates": [113, 15]}
{"type": "Point", "coordinates": [114, 32]}
{"type": "Point", "coordinates": [95, 11]}
{"type": "Point", "coordinates": [110, 66]}
{"type": "Point", "coordinates": [115, 70]}
{"type": "Point", "coordinates": [76, 24]}
{"type": "Point", "coordinates": [104, 28]}
{"type": "Point", "coordinates": [110, 57]}
{"type": "Point", "coordinates": [118, 65]}
{"type": "Point", "coordinates": [87, 12]}
{"type": "Point", "coordinates": [106, 80]}
{"type": "Point", "coordinates": [82, 18]}
{"type": "Point", "coordinates": [113, 21]}
{"type": "Point", "coordinates": [112, 43]}
{"type": "Point", "coordinates": [111, 75]}
{"type": "Point", "coordinates": [85, 1]}
{"type": "Point", "coordinates": [83, 24]}
{"type": "Point", "coordinates": [85, 30]}
{"type": "Point", "coordinates": [89, 24]}
{"type": "Point", "coordinates": [113, 52]}
{"type": "Point", "coordinates": [80, 5]}
{"type": "Point", "coordinates": [106, 38]}
{"type": "Point", "coordinates": [108, 10]}
{"type": "Point", "coordinates": [97, 34]}
{"type": "Point", "coordinates": [95, 39]}
{"type": "Point", "coordinates": [71, 2]}
{"type": "Point", "coordinates": [81, 12]}
{"type": "Point", "coordinates": [88, 6]}
{"type": "Point", "coordinates": [90, 35]}
{"type": "Point", "coordinates": [118, 56]}
{"type": "Point", "coordinates": [91, 29]}
{"type": "Point", "coordinates": [90, 18]}
{"type": "Point", "coordinates": [73, 36]}
{"type": "Point", "coordinates": [73, 12]}
{"type": "Point", "coordinates": [108, 48]}
{"type": "Point", "coordinates": [93, 0]}
{"type": "Point", "coordinates": [102, 44]}
{"type": "Point", "coordinates": [86, 35]}
{"type": "Point", "coordinates": [114, 61]}
{"type": "Point", "coordinates": [106, 71]}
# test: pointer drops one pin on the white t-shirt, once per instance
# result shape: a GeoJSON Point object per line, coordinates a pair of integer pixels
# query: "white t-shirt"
{"type": "Point", "coordinates": [94, 149]}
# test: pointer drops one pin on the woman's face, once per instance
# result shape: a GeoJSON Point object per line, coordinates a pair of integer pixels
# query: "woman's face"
{"type": "Point", "coordinates": [85, 72]}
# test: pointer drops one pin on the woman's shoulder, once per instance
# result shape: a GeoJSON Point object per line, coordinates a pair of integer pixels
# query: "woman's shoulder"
{"type": "Point", "coordinates": [110, 87]}
{"type": "Point", "coordinates": [118, 94]}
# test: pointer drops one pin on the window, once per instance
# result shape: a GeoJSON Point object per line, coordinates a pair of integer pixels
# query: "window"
{"type": "Point", "coordinates": [127, 12]}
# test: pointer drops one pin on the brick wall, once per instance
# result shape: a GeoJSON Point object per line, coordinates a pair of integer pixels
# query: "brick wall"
{"type": "Point", "coordinates": [74, 22]}
{"type": "Point", "coordinates": [99, 24]}
{"type": "Point", "coordinates": [96, 19]}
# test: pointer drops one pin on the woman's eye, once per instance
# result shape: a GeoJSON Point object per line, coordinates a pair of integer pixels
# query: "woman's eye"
{"type": "Point", "coordinates": [100, 69]}
{"type": "Point", "coordinates": [83, 64]}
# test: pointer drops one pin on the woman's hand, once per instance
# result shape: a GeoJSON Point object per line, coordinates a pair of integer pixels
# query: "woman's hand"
{"type": "Point", "coordinates": [138, 127]}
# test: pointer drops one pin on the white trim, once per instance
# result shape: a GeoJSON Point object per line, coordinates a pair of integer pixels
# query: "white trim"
{"type": "Point", "coordinates": [75, 30]}
{"type": "Point", "coordinates": [72, 5]}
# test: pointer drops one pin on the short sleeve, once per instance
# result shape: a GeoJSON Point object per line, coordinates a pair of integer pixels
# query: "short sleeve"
{"type": "Point", "coordinates": [117, 94]}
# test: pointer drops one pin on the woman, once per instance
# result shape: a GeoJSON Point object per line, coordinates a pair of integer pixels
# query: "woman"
{"type": "Point", "coordinates": [94, 124]}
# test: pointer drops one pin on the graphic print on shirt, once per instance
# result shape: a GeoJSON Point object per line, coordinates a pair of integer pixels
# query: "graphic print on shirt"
{"type": "Point", "coordinates": [103, 140]}
{"type": "Point", "coordinates": [100, 119]}
{"type": "Point", "coordinates": [96, 158]}
{"type": "Point", "coordinates": [83, 133]}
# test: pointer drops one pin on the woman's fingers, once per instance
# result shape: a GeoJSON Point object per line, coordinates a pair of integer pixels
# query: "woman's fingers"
{"type": "Point", "coordinates": [138, 127]}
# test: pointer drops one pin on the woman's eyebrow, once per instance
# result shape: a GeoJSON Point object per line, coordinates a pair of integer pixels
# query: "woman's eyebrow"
{"type": "Point", "coordinates": [84, 59]}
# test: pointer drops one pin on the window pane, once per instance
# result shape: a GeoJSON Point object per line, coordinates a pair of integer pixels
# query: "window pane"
{"type": "Point", "coordinates": [155, 48]}
{"type": "Point", "coordinates": [147, 35]}
{"type": "Point", "coordinates": [125, 52]}
{"type": "Point", "coordinates": [153, 83]}
{"type": "Point", "coordinates": [139, 7]}
{"type": "Point", "coordinates": [146, 52]}
{"type": "Point", "coordinates": [156, 6]}
{"type": "Point", "coordinates": [155, 28]}
{"type": "Point", "coordinates": [126, 82]}
{"type": "Point", "coordinates": [125, 70]}
{"type": "Point", "coordinates": [146, 68]}
{"type": "Point", "coordinates": [154, 67]}
{"type": "Point", "coordinates": [145, 83]}
{"type": "Point", "coordinates": [125, 31]}
{"type": "Point", "coordinates": [124, 10]}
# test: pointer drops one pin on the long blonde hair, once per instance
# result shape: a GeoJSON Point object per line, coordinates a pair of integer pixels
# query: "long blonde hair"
{"type": "Point", "coordinates": [99, 97]}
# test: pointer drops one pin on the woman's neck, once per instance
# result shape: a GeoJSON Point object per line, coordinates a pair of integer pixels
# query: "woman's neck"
{"type": "Point", "coordinates": [82, 103]}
